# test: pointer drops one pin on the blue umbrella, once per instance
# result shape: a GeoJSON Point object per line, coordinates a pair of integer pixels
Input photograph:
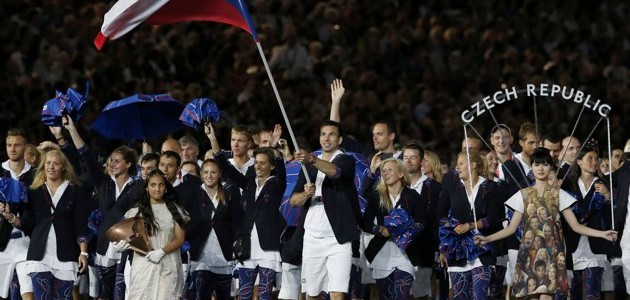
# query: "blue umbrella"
{"type": "Point", "coordinates": [139, 117]}
{"type": "Point", "coordinates": [200, 111]}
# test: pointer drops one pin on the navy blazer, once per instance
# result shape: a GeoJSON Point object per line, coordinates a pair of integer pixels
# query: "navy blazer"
{"type": "Point", "coordinates": [269, 221]}
{"type": "Point", "coordinates": [416, 207]}
{"type": "Point", "coordinates": [340, 198]}
{"type": "Point", "coordinates": [18, 209]}
{"type": "Point", "coordinates": [430, 194]}
{"type": "Point", "coordinates": [588, 216]}
{"type": "Point", "coordinates": [225, 222]}
{"type": "Point", "coordinates": [488, 208]}
{"type": "Point", "coordinates": [106, 197]}
{"type": "Point", "coordinates": [69, 220]}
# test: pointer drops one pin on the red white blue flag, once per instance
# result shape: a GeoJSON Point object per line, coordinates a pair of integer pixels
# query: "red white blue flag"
{"type": "Point", "coordinates": [127, 14]}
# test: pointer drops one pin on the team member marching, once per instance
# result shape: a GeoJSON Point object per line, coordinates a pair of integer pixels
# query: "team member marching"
{"type": "Point", "coordinates": [215, 219]}
{"type": "Point", "coordinates": [393, 267]}
{"type": "Point", "coordinates": [591, 208]}
{"type": "Point", "coordinates": [470, 208]}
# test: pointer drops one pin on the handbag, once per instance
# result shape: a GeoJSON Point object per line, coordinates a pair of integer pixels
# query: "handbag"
{"type": "Point", "coordinates": [291, 243]}
{"type": "Point", "coordinates": [242, 246]}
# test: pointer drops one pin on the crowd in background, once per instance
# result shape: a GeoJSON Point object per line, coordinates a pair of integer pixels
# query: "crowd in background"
{"type": "Point", "coordinates": [419, 62]}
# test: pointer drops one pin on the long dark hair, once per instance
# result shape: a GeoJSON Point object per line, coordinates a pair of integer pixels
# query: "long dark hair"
{"type": "Point", "coordinates": [170, 199]}
{"type": "Point", "coordinates": [576, 171]}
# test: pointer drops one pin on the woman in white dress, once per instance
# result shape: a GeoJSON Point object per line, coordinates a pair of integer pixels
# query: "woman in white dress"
{"type": "Point", "coordinates": [159, 274]}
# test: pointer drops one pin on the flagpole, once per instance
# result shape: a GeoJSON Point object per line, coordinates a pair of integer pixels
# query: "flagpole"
{"type": "Point", "coordinates": [610, 162]}
{"type": "Point", "coordinates": [284, 113]}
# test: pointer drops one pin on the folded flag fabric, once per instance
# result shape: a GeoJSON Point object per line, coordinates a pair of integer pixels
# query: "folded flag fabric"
{"type": "Point", "coordinates": [199, 111]}
{"type": "Point", "coordinates": [401, 227]}
{"type": "Point", "coordinates": [459, 247]}
{"type": "Point", "coordinates": [12, 191]}
{"type": "Point", "coordinates": [71, 103]}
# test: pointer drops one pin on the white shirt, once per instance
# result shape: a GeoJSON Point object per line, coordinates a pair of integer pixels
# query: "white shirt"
{"type": "Point", "coordinates": [119, 190]}
{"type": "Point", "coordinates": [526, 168]}
{"type": "Point", "coordinates": [417, 186]}
{"type": "Point", "coordinates": [245, 166]}
{"type": "Point", "coordinates": [316, 222]}
{"type": "Point", "coordinates": [27, 167]}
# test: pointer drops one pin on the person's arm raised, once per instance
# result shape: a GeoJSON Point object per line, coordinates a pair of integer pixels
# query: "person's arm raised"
{"type": "Point", "coordinates": [336, 93]}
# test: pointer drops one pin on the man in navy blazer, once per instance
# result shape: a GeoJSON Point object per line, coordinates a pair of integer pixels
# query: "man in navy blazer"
{"type": "Point", "coordinates": [332, 215]}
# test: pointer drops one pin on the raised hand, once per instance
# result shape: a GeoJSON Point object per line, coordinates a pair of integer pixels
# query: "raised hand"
{"type": "Point", "coordinates": [275, 135]}
{"type": "Point", "coordinates": [337, 90]}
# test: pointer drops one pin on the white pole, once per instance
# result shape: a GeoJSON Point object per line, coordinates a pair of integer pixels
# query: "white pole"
{"type": "Point", "coordinates": [471, 198]}
{"type": "Point", "coordinates": [284, 113]}
{"type": "Point", "coordinates": [612, 205]}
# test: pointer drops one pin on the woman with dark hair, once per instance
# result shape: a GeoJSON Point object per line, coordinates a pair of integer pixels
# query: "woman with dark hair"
{"type": "Point", "coordinates": [263, 222]}
{"type": "Point", "coordinates": [393, 267]}
{"type": "Point", "coordinates": [56, 217]}
{"type": "Point", "coordinates": [215, 219]}
{"type": "Point", "coordinates": [159, 274]}
{"type": "Point", "coordinates": [542, 194]}
{"type": "Point", "coordinates": [593, 203]}
{"type": "Point", "coordinates": [470, 274]}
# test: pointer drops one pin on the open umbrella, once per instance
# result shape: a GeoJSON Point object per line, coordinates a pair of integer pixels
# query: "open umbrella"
{"type": "Point", "coordinates": [199, 111]}
{"type": "Point", "coordinates": [139, 117]}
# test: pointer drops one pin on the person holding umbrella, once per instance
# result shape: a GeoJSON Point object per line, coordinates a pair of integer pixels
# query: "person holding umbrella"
{"type": "Point", "coordinates": [57, 219]}
{"type": "Point", "coordinates": [393, 266]}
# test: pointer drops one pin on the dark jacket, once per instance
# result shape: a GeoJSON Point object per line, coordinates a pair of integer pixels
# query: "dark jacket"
{"type": "Point", "coordinates": [488, 209]}
{"type": "Point", "coordinates": [416, 207]}
{"type": "Point", "coordinates": [430, 194]}
{"type": "Point", "coordinates": [226, 221]}
{"type": "Point", "coordinates": [105, 192]}
{"type": "Point", "coordinates": [69, 220]}
{"type": "Point", "coordinates": [589, 216]}
{"type": "Point", "coordinates": [340, 198]}
{"type": "Point", "coordinates": [264, 209]}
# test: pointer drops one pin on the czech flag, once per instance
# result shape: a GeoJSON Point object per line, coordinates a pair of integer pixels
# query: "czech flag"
{"type": "Point", "coordinates": [125, 15]}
